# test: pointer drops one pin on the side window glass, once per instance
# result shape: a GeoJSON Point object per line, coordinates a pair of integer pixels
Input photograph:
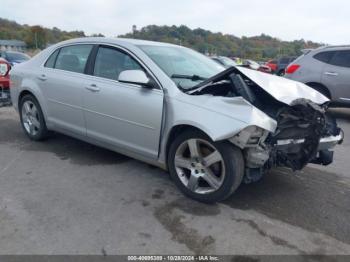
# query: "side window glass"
{"type": "Point", "coordinates": [341, 58]}
{"type": "Point", "coordinates": [324, 56]}
{"type": "Point", "coordinates": [110, 63]}
{"type": "Point", "coordinates": [51, 61]}
{"type": "Point", "coordinates": [73, 58]}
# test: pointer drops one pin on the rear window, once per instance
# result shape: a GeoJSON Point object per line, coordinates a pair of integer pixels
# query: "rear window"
{"type": "Point", "coordinates": [73, 58]}
{"type": "Point", "coordinates": [52, 59]}
{"type": "Point", "coordinates": [324, 56]}
{"type": "Point", "coordinates": [341, 58]}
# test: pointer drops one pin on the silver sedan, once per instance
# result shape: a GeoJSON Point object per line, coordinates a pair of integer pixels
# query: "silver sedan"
{"type": "Point", "coordinates": [212, 128]}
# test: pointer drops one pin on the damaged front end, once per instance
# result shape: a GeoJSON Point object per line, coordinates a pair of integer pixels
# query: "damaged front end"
{"type": "Point", "coordinates": [305, 132]}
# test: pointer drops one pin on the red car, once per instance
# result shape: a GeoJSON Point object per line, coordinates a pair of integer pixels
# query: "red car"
{"type": "Point", "coordinates": [273, 65]}
{"type": "Point", "coordinates": [4, 81]}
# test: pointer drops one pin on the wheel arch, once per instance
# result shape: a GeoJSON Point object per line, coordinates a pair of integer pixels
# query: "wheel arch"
{"type": "Point", "coordinates": [326, 90]}
{"type": "Point", "coordinates": [36, 95]}
{"type": "Point", "coordinates": [24, 93]}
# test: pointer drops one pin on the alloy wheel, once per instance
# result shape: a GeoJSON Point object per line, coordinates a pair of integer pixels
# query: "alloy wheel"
{"type": "Point", "coordinates": [199, 166]}
{"type": "Point", "coordinates": [30, 118]}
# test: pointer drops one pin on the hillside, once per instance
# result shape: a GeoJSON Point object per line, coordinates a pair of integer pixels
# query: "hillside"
{"type": "Point", "coordinates": [258, 47]}
{"type": "Point", "coordinates": [34, 36]}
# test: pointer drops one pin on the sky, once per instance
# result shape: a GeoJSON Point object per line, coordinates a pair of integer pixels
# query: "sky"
{"type": "Point", "coordinates": [320, 21]}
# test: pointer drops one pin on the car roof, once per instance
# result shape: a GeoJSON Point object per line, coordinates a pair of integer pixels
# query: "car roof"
{"type": "Point", "coordinates": [116, 40]}
{"type": "Point", "coordinates": [331, 47]}
{"type": "Point", "coordinates": [337, 46]}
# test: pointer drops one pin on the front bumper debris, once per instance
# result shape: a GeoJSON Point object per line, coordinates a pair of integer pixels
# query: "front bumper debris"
{"type": "Point", "coordinates": [325, 142]}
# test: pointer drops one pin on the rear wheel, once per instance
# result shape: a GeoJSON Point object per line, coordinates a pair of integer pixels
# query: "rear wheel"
{"type": "Point", "coordinates": [205, 170]}
{"type": "Point", "coordinates": [32, 118]}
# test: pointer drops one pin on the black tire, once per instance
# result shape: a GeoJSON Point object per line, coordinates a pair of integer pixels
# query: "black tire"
{"type": "Point", "coordinates": [41, 132]}
{"type": "Point", "coordinates": [232, 159]}
{"type": "Point", "coordinates": [281, 73]}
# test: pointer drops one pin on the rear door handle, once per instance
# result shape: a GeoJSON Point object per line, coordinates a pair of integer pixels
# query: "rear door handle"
{"type": "Point", "coordinates": [93, 88]}
{"type": "Point", "coordinates": [331, 73]}
{"type": "Point", "coordinates": [42, 77]}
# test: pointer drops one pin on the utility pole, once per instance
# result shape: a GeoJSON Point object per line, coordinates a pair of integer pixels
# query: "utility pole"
{"type": "Point", "coordinates": [36, 39]}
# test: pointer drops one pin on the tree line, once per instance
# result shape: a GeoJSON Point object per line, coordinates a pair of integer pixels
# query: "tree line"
{"type": "Point", "coordinates": [260, 47]}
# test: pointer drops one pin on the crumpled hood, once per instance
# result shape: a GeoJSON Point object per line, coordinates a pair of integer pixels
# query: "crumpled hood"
{"type": "Point", "coordinates": [282, 89]}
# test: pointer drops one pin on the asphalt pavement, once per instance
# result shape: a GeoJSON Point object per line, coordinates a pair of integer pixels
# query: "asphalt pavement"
{"type": "Point", "coordinates": [64, 196]}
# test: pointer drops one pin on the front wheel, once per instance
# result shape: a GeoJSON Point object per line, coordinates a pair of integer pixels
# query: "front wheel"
{"type": "Point", "coordinates": [205, 170]}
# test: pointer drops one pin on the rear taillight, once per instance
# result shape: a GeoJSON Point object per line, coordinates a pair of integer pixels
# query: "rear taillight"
{"type": "Point", "coordinates": [292, 68]}
{"type": "Point", "coordinates": [4, 69]}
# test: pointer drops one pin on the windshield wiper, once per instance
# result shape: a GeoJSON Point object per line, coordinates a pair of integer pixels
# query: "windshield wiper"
{"type": "Point", "coordinates": [190, 77]}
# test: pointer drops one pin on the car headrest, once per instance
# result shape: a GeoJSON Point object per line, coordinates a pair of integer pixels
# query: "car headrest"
{"type": "Point", "coordinates": [70, 62]}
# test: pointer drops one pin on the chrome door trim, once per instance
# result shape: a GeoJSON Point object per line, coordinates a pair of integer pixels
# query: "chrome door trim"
{"type": "Point", "coordinates": [42, 65]}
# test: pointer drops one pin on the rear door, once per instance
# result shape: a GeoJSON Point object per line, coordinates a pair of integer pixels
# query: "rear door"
{"type": "Point", "coordinates": [336, 75]}
{"type": "Point", "coordinates": [62, 82]}
{"type": "Point", "coordinates": [127, 116]}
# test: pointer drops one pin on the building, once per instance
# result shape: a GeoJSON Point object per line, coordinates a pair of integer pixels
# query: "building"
{"type": "Point", "coordinates": [12, 45]}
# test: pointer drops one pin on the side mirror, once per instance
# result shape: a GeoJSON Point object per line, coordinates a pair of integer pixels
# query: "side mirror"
{"type": "Point", "coordinates": [137, 77]}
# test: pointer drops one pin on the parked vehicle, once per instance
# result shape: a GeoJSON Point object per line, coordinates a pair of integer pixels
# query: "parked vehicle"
{"type": "Point", "coordinates": [282, 64]}
{"type": "Point", "coordinates": [272, 64]}
{"type": "Point", "coordinates": [255, 66]}
{"type": "Point", "coordinates": [224, 61]}
{"type": "Point", "coordinates": [265, 69]}
{"type": "Point", "coordinates": [250, 64]}
{"type": "Point", "coordinates": [4, 82]}
{"type": "Point", "coordinates": [14, 57]}
{"type": "Point", "coordinates": [174, 108]}
{"type": "Point", "coordinates": [327, 70]}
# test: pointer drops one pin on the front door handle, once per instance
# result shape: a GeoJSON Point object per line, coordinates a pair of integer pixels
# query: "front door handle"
{"type": "Point", "coordinates": [93, 88]}
{"type": "Point", "coordinates": [331, 73]}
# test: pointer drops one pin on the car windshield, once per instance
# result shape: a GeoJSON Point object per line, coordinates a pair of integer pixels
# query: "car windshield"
{"type": "Point", "coordinates": [16, 56]}
{"type": "Point", "coordinates": [184, 66]}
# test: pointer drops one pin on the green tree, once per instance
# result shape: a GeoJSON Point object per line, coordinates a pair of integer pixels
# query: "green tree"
{"type": "Point", "coordinates": [36, 37]}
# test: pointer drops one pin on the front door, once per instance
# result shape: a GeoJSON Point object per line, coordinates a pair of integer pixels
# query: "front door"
{"type": "Point", "coordinates": [127, 116]}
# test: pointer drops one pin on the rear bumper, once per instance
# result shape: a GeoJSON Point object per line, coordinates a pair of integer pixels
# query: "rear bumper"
{"type": "Point", "coordinates": [5, 95]}
{"type": "Point", "coordinates": [4, 82]}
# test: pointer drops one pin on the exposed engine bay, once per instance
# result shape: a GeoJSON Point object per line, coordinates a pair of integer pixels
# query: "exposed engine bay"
{"type": "Point", "coordinates": [305, 132]}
